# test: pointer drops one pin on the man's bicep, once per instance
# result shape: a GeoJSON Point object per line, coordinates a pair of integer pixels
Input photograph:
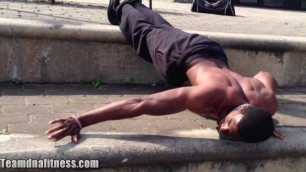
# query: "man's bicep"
{"type": "Point", "coordinates": [166, 102]}
{"type": "Point", "coordinates": [198, 99]}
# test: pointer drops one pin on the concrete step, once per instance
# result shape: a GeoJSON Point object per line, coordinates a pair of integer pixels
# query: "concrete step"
{"type": "Point", "coordinates": [197, 150]}
{"type": "Point", "coordinates": [72, 41]}
{"type": "Point", "coordinates": [38, 52]}
{"type": "Point", "coordinates": [176, 142]}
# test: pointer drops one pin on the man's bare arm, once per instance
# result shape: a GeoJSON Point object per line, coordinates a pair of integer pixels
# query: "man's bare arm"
{"type": "Point", "coordinates": [167, 102]}
{"type": "Point", "coordinates": [163, 103]}
{"type": "Point", "coordinates": [269, 82]}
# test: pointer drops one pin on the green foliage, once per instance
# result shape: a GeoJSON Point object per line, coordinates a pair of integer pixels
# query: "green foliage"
{"type": "Point", "coordinates": [96, 83]}
{"type": "Point", "coordinates": [131, 80]}
{"type": "Point", "coordinates": [3, 132]}
{"type": "Point", "coordinates": [15, 81]}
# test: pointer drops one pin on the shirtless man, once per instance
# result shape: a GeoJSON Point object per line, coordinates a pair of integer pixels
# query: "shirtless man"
{"type": "Point", "coordinates": [242, 106]}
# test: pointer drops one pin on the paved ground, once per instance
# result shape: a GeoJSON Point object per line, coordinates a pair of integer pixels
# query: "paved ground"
{"type": "Point", "coordinates": [28, 108]}
{"type": "Point", "coordinates": [248, 20]}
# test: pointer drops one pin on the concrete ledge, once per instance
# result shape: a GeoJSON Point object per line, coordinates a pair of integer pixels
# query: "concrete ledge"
{"type": "Point", "coordinates": [35, 29]}
{"type": "Point", "coordinates": [40, 52]}
{"type": "Point", "coordinates": [194, 147]}
{"type": "Point", "coordinates": [112, 34]}
{"type": "Point", "coordinates": [257, 42]}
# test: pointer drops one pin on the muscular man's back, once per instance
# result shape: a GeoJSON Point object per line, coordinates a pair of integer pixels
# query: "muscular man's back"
{"type": "Point", "coordinates": [258, 90]}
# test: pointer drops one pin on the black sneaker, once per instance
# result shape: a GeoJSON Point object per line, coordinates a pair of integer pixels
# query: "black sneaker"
{"type": "Point", "coordinates": [119, 8]}
{"type": "Point", "coordinates": [111, 12]}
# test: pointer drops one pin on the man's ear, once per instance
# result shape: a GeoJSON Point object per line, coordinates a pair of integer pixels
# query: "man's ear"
{"type": "Point", "coordinates": [278, 134]}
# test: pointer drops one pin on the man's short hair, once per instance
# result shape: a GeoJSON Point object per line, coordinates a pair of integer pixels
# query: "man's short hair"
{"type": "Point", "coordinates": [256, 125]}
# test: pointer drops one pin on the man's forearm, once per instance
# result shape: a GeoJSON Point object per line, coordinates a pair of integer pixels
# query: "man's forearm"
{"type": "Point", "coordinates": [114, 111]}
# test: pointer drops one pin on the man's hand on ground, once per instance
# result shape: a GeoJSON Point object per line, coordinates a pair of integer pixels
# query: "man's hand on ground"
{"type": "Point", "coordinates": [67, 127]}
{"type": "Point", "coordinates": [278, 134]}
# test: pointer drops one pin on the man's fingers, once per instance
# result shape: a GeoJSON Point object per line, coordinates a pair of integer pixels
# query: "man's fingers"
{"type": "Point", "coordinates": [65, 133]}
{"type": "Point", "coordinates": [55, 135]}
{"type": "Point", "coordinates": [67, 127]}
{"type": "Point", "coordinates": [75, 138]}
{"type": "Point", "coordinates": [278, 134]}
{"type": "Point", "coordinates": [57, 121]}
{"type": "Point", "coordinates": [54, 129]}
{"type": "Point", "coordinates": [282, 137]}
{"type": "Point", "coordinates": [61, 135]}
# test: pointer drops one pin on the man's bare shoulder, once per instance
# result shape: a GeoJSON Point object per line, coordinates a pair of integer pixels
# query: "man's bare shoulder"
{"type": "Point", "coordinates": [267, 80]}
{"type": "Point", "coordinates": [266, 97]}
{"type": "Point", "coordinates": [205, 98]}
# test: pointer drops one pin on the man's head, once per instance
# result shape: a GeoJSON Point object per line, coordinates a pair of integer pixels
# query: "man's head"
{"type": "Point", "coordinates": [247, 123]}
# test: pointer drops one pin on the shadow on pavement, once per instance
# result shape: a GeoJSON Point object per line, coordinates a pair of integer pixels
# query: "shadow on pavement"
{"type": "Point", "coordinates": [168, 141]}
